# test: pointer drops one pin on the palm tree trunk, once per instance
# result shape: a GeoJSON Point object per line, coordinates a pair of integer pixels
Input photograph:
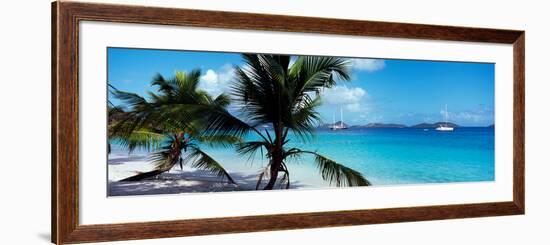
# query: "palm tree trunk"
{"type": "Point", "coordinates": [273, 174]}
{"type": "Point", "coordinates": [277, 159]}
{"type": "Point", "coordinates": [146, 175]}
{"type": "Point", "coordinates": [174, 159]}
{"type": "Point", "coordinates": [277, 155]}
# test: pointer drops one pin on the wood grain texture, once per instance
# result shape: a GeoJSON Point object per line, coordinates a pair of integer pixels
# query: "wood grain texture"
{"type": "Point", "coordinates": [233, 20]}
{"type": "Point", "coordinates": [65, 122]}
{"type": "Point", "coordinates": [54, 122]}
{"type": "Point", "coordinates": [65, 221]}
{"type": "Point", "coordinates": [519, 122]}
{"type": "Point", "coordinates": [149, 230]}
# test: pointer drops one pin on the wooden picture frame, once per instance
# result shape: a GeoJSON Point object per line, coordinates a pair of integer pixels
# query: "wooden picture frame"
{"type": "Point", "coordinates": [65, 121]}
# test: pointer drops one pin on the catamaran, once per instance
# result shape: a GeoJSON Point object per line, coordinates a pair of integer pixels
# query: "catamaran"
{"type": "Point", "coordinates": [445, 127]}
{"type": "Point", "coordinates": [335, 126]}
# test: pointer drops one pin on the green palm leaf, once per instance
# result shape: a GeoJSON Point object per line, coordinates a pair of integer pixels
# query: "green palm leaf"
{"type": "Point", "coordinates": [251, 147]}
{"type": "Point", "coordinates": [336, 173]}
{"type": "Point", "coordinates": [163, 159]}
{"type": "Point", "coordinates": [203, 161]}
{"type": "Point", "coordinates": [305, 117]}
{"type": "Point", "coordinates": [286, 98]}
{"type": "Point", "coordinates": [219, 140]}
{"type": "Point", "coordinates": [171, 118]}
{"type": "Point", "coordinates": [143, 139]}
{"type": "Point", "coordinates": [312, 73]}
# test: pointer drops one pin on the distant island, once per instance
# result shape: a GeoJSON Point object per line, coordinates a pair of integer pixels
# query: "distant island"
{"type": "Point", "coordinates": [384, 125]}
{"type": "Point", "coordinates": [381, 125]}
{"type": "Point", "coordinates": [396, 125]}
{"type": "Point", "coordinates": [435, 125]}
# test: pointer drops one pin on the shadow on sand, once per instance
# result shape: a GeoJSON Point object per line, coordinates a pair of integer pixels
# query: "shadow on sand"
{"type": "Point", "coordinates": [194, 181]}
{"type": "Point", "coordinates": [117, 160]}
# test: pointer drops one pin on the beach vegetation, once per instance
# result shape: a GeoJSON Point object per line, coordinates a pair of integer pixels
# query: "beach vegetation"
{"type": "Point", "coordinates": [169, 124]}
{"type": "Point", "coordinates": [272, 91]}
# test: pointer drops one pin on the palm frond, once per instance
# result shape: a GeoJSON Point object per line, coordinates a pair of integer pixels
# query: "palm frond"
{"type": "Point", "coordinates": [163, 159]}
{"type": "Point", "coordinates": [133, 100]}
{"type": "Point", "coordinates": [336, 173]}
{"type": "Point", "coordinates": [305, 117]}
{"type": "Point", "coordinates": [140, 139]}
{"type": "Point", "coordinates": [111, 87]}
{"type": "Point", "coordinates": [222, 101]}
{"type": "Point", "coordinates": [112, 109]}
{"type": "Point", "coordinates": [219, 121]}
{"type": "Point", "coordinates": [258, 88]}
{"type": "Point", "coordinates": [211, 120]}
{"type": "Point", "coordinates": [219, 140]}
{"type": "Point", "coordinates": [269, 92]}
{"type": "Point", "coordinates": [252, 147]}
{"type": "Point", "coordinates": [203, 161]}
{"type": "Point", "coordinates": [315, 72]}
{"type": "Point", "coordinates": [188, 81]}
{"type": "Point", "coordinates": [165, 87]}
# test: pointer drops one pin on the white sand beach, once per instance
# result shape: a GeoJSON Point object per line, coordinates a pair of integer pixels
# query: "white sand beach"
{"type": "Point", "coordinates": [187, 180]}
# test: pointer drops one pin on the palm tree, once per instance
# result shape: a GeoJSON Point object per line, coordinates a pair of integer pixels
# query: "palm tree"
{"type": "Point", "coordinates": [113, 112]}
{"type": "Point", "coordinates": [158, 125]}
{"type": "Point", "coordinates": [271, 91]}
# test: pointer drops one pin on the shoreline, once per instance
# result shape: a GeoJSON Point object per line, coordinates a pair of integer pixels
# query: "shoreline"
{"type": "Point", "coordinates": [189, 180]}
{"type": "Point", "coordinates": [384, 157]}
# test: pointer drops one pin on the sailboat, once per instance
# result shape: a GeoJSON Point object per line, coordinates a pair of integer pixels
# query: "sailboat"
{"type": "Point", "coordinates": [446, 126]}
{"type": "Point", "coordinates": [335, 126]}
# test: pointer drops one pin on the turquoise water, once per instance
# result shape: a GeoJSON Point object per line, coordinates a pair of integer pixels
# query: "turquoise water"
{"type": "Point", "coordinates": [388, 156]}
{"type": "Point", "coordinates": [398, 155]}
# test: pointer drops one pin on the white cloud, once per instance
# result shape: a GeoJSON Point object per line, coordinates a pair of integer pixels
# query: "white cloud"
{"type": "Point", "coordinates": [471, 116]}
{"type": "Point", "coordinates": [353, 107]}
{"type": "Point", "coordinates": [210, 78]}
{"type": "Point", "coordinates": [481, 115]}
{"type": "Point", "coordinates": [369, 65]}
{"type": "Point", "coordinates": [217, 82]}
{"type": "Point", "coordinates": [342, 95]}
{"type": "Point", "coordinates": [353, 100]}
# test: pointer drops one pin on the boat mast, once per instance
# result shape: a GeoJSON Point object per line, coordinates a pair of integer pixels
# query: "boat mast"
{"type": "Point", "coordinates": [446, 116]}
{"type": "Point", "coordinates": [341, 118]}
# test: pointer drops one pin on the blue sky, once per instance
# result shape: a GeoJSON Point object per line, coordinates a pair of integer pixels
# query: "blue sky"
{"type": "Point", "coordinates": [381, 90]}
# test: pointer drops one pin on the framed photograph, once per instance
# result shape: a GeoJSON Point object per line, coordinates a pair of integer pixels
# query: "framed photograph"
{"type": "Point", "coordinates": [175, 122]}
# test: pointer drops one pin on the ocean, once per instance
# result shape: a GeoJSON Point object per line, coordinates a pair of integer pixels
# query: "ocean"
{"type": "Point", "coordinates": [385, 156]}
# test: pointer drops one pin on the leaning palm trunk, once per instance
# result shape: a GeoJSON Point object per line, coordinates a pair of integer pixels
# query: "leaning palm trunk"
{"type": "Point", "coordinates": [173, 158]}
{"type": "Point", "coordinates": [172, 155]}
{"type": "Point", "coordinates": [146, 175]}
{"type": "Point", "coordinates": [171, 124]}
